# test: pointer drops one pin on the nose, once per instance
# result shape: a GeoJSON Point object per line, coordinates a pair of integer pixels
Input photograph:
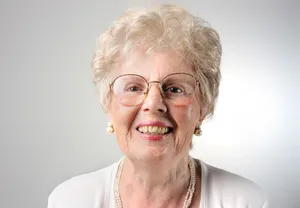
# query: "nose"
{"type": "Point", "coordinates": [154, 101]}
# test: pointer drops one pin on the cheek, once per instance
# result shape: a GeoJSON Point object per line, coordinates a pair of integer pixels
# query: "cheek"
{"type": "Point", "coordinates": [186, 118]}
{"type": "Point", "coordinates": [189, 113]}
{"type": "Point", "coordinates": [122, 118]}
{"type": "Point", "coordinates": [186, 114]}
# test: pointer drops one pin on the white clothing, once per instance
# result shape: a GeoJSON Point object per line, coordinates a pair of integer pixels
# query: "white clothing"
{"type": "Point", "coordinates": [220, 189]}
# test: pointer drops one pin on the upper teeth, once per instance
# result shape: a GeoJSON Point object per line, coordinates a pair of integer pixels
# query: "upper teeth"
{"type": "Point", "coordinates": [153, 129]}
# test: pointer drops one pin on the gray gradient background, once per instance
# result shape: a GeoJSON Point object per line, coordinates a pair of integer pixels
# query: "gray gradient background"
{"type": "Point", "coordinates": [52, 127]}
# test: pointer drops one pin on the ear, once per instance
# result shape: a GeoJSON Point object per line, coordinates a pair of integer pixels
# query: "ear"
{"type": "Point", "coordinates": [106, 107]}
{"type": "Point", "coordinates": [108, 114]}
{"type": "Point", "coordinates": [202, 115]}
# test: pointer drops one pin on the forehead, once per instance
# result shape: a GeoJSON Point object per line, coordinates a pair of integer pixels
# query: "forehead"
{"type": "Point", "coordinates": [154, 65]}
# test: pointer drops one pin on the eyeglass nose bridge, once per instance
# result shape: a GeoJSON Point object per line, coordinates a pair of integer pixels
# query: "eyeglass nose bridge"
{"type": "Point", "coordinates": [148, 87]}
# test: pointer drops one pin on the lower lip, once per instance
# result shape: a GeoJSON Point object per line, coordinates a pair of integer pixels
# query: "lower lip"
{"type": "Point", "coordinates": [152, 137]}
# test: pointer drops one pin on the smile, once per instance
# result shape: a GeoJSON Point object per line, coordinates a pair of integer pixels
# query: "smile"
{"type": "Point", "coordinates": [154, 129]}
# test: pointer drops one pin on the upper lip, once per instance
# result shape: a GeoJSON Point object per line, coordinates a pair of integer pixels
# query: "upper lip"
{"type": "Point", "coordinates": [153, 123]}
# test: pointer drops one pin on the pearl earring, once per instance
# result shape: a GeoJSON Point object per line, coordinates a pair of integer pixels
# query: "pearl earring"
{"type": "Point", "coordinates": [110, 128]}
{"type": "Point", "coordinates": [198, 131]}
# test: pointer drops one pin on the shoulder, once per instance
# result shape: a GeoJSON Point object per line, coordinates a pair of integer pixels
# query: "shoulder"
{"type": "Point", "coordinates": [87, 190]}
{"type": "Point", "coordinates": [225, 189]}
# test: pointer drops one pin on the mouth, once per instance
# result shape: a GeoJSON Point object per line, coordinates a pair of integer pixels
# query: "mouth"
{"type": "Point", "coordinates": [154, 130]}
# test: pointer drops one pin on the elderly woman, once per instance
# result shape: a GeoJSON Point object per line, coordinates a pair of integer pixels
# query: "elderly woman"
{"type": "Point", "coordinates": [157, 71]}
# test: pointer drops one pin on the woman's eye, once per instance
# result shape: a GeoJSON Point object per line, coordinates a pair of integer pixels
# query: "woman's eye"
{"type": "Point", "coordinates": [134, 89]}
{"type": "Point", "coordinates": [175, 90]}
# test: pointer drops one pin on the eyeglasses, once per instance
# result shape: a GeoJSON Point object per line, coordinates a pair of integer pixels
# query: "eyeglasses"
{"type": "Point", "coordinates": [132, 89]}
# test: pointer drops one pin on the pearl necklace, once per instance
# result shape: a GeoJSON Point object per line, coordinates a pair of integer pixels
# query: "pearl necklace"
{"type": "Point", "coordinates": [189, 194]}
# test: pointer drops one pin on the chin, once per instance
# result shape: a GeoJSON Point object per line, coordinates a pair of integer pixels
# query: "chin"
{"type": "Point", "coordinates": [152, 153]}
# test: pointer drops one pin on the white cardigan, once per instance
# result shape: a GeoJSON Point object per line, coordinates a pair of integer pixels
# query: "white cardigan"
{"type": "Point", "coordinates": [220, 189]}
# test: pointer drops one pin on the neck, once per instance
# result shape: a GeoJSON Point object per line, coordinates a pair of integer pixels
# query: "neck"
{"type": "Point", "coordinates": [156, 180]}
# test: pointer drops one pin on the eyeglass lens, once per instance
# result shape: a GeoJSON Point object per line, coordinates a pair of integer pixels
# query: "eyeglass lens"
{"type": "Point", "coordinates": [132, 89]}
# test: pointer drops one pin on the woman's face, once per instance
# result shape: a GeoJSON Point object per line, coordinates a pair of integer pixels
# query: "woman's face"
{"type": "Point", "coordinates": [133, 123]}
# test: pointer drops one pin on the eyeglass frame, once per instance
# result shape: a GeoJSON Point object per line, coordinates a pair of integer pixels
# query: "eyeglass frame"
{"type": "Point", "coordinates": [158, 82]}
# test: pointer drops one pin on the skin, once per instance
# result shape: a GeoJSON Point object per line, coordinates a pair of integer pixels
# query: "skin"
{"type": "Point", "coordinates": [155, 173]}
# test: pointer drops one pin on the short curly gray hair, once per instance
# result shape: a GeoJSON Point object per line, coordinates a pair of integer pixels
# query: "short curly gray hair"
{"type": "Point", "coordinates": [166, 27]}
